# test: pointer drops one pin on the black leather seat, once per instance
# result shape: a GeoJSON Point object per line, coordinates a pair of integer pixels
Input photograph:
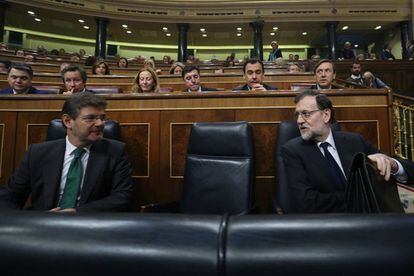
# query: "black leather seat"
{"type": "Point", "coordinates": [109, 244]}
{"type": "Point", "coordinates": [57, 130]}
{"type": "Point", "coordinates": [42, 243]}
{"type": "Point", "coordinates": [328, 244]}
{"type": "Point", "coordinates": [287, 131]}
{"type": "Point", "coordinates": [219, 170]}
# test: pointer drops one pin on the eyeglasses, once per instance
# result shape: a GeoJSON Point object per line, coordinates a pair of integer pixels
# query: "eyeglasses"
{"type": "Point", "coordinates": [93, 118]}
{"type": "Point", "coordinates": [305, 114]}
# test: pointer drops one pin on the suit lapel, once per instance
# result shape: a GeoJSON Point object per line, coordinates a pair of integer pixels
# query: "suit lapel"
{"type": "Point", "coordinates": [52, 171]}
{"type": "Point", "coordinates": [312, 151]}
{"type": "Point", "coordinates": [96, 164]}
{"type": "Point", "coordinates": [345, 151]}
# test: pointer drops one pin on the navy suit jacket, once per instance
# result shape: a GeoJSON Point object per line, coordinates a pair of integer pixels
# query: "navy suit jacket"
{"type": "Point", "coordinates": [107, 184]}
{"type": "Point", "coordinates": [308, 177]}
{"type": "Point", "coordinates": [32, 90]}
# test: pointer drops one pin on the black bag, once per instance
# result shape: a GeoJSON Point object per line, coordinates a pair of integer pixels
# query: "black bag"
{"type": "Point", "coordinates": [368, 192]}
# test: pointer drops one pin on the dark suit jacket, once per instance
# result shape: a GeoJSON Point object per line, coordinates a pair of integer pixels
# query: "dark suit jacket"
{"type": "Point", "coordinates": [386, 55]}
{"type": "Point", "coordinates": [246, 87]}
{"type": "Point", "coordinates": [204, 89]}
{"type": "Point", "coordinates": [107, 185]}
{"type": "Point", "coordinates": [32, 90]}
{"type": "Point", "coordinates": [308, 176]}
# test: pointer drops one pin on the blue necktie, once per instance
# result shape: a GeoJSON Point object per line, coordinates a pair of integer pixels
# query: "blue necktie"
{"type": "Point", "coordinates": [334, 168]}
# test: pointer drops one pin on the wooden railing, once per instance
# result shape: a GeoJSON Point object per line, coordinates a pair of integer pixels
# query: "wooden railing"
{"type": "Point", "coordinates": [403, 116]}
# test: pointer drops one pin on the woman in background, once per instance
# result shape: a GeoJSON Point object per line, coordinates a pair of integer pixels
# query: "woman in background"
{"type": "Point", "coordinates": [100, 68]}
{"type": "Point", "coordinates": [146, 81]}
{"type": "Point", "coordinates": [176, 68]}
{"type": "Point", "coordinates": [122, 63]}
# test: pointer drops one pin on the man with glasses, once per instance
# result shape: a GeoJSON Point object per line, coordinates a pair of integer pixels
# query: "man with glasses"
{"type": "Point", "coordinates": [192, 79]}
{"type": "Point", "coordinates": [82, 172]}
{"type": "Point", "coordinates": [318, 162]}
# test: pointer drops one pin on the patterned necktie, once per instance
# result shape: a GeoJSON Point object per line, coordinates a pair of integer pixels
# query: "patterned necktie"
{"type": "Point", "coordinates": [334, 168]}
{"type": "Point", "coordinates": [73, 180]}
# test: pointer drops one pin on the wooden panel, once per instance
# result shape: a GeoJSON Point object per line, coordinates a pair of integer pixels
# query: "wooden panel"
{"type": "Point", "coordinates": [7, 144]}
{"type": "Point", "coordinates": [31, 128]}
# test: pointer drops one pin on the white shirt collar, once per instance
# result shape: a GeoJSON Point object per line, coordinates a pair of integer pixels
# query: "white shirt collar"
{"type": "Point", "coordinates": [330, 140]}
{"type": "Point", "coordinates": [70, 147]}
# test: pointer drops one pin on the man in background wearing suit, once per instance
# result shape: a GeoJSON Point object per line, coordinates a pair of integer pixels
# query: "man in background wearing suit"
{"type": "Point", "coordinates": [82, 172]}
{"type": "Point", "coordinates": [74, 78]}
{"type": "Point", "coordinates": [192, 79]}
{"type": "Point", "coordinates": [20, 76]}
{"type": "Point", "coordinates": [253, 73]}
{"type": "Point", "coordinates": [317, 179]}
{"type": "Point", "coordinates": [325, 73]}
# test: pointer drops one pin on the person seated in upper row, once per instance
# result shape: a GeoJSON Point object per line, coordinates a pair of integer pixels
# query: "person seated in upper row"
{"type": "Point", "coordinates": [356, 76]}
{"type": "Point", "coordinates": [347, 52]}
{"type": "Point", "coordinates": [122, 63]}
{"type": "Point", "coordinates": [386, 53]}
{"type": "Point", "coordinates": [294, 68]}
{"type": "Point", "coordinates": [192, 79]}
{"type": "Point", "coordinates": [177, 68]}
{"type": "Point", "coordinates": [253, 73]}
{"type": "Point", "coordinates": [373, 82]}
{"type": "Point", "coordinates": [100, 68]}
{"type": "Point", "coordinates": [146, 81]}
{"type": "Point", "coordinates": [20, 77]}
{"type": "Point", "coordinates": [149, 63]}
{"type": "Point", "coordinates": [4, 66]}
{"type": "Point", "coordinates": [74, 78]}
{"type": "Point", "coordinates": [325, 73]}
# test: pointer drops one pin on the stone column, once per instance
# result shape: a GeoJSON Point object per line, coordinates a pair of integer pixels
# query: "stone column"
{"type": "Point", "coordinates": [182, 41]}
{"type": "Point", "coordinates": [3, 6]}
{"type": "Point", "coordinates": [331, 32]}
{"type": "Point", "coordinates": [406, 36]}
{"type": "Point", "coordinates": [258, 38]}
{"type": "Point", "coordinates": [100, 44]}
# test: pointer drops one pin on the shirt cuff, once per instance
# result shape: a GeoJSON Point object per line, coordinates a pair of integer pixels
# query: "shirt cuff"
{"type": "Point", "coordinates": [400, 175]}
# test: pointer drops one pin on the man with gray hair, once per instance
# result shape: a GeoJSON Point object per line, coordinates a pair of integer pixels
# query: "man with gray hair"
{"type": "Point", "coordinates": [318, 162]}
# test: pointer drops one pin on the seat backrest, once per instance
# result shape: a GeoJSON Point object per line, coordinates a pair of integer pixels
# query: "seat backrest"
{"type": "Point", "coordinates": [50, 89]}
{"type": "Point", "coordinates": [219, 170]}
{"type": "Point", "coordinates": [104, 89]}
{"type": "Point", "coordinates": [57, 130]}
{"type": "Point", "coordinates": [287, 131]}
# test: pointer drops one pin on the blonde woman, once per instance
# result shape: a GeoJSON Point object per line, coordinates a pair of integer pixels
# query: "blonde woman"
{"type": "Point", "coordinates": [146, 81]}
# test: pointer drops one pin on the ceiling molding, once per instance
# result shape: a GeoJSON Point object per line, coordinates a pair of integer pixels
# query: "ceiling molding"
{"type": "Point", "coordinates": [215, 11]}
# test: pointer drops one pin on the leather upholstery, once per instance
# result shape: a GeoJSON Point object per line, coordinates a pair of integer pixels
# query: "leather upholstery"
{"type": "Point", "coordinates": [320, 245]}
{"type": "Point", "coordinates": [219, 169]}
{"type": "Point", "coordinates": [42, 243]}
{"type": "Point", "coordinates": [107, 244]}
{"type": "Point", "coordinates": [287, 131]}
{"type": "Point", "coordinates": [57, 130]}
